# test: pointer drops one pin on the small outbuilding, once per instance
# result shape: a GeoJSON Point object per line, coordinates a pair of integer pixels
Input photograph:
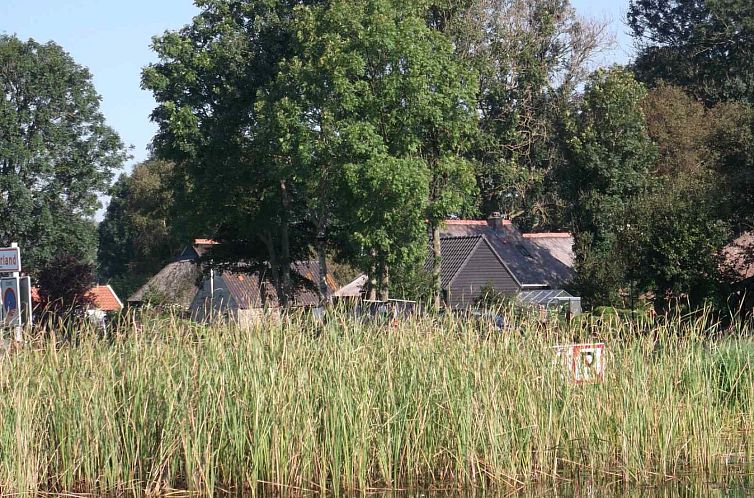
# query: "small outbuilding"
{"type": "Point", "coordinates": [551, 299]}
{"type": "Point", "coordinates": [103, 300]}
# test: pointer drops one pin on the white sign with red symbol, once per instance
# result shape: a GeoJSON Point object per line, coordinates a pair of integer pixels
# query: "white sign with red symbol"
{"type": "Point", "coordinates": [584, 362]}
{"type": "Point", "coordinates": [10, 296]}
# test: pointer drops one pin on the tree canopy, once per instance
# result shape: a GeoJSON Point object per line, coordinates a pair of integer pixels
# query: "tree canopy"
{"type": "Point", "coordinates": [531, 57]}
{"type": "Point", "coordinates": [610, 155]}
{"type": "Point", "coordinates": [138, 235]}
{"type": "Point", "coordinates": [314, 104]}
{"type": "Point", "coordinates": [704, 46]}
{"type": "Point", "coordinates": [57, 155]}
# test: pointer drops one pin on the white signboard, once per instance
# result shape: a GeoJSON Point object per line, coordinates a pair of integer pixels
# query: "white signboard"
{"type": "Point", "coordinates": [9, 291]}
{"type": "Point", "coordinates": [10, 259]}
{"type": "Point", "coordinates": [585, 363]}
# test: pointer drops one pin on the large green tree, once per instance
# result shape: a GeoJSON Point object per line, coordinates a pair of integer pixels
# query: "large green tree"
{"type": "Point", "coordinates": [671, 242]}
{"type": "Point", "coordinates": [610, 157]}
{"type": "Point", "coordinates": [210, 83]}
{"type": "Point", "coordinates": [331, 121]}
{"type": "Point", "coordinates": [610, 151]}
{"type": "Point", "coordinates": [56, 152]}
{"type": "Point", "coordinates": [136, 236]}
{"type": "Point", "coordinates": [531, 57]}
{"type": "Point", "coordinates": [392, 83]}
{"type": "Point", "coordinates": [704, 46]}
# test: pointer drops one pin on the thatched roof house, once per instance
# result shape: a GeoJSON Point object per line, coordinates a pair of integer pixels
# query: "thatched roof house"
{"type": "Point", "coordinates": [182, 283]}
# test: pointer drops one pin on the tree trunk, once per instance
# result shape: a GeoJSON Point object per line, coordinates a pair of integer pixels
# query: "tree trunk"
{"type": "Point", "coordinates": [372, 284]}
{"type": "Point", "coordinates": [285, 257]}
{"type": "Point", "coordinates": [274, 265]}
{"type": "Point", "coordinates": [436, 266]}
{"type": "Point", "coordinates": [324, 293]}
{"type": "Point", "coordinates": [384, 281]}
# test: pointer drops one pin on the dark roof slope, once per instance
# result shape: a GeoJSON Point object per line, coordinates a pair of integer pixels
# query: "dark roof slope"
{"type": "Point", "coordinates": [309, 270]}
{"type": "Point", "coordinates": [530, 263]}
{"type": "Point", "coordinates": [455, 251]}
{"type": "Point", "coordinates": [247, 291]}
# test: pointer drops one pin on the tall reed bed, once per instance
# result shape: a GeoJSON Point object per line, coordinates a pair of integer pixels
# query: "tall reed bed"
{"type": "Point", "coordinates": [345, 406]}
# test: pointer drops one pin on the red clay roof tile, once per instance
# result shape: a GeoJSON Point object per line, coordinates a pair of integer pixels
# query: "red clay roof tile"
{"type": "Point", "coordinates": [104, 298]}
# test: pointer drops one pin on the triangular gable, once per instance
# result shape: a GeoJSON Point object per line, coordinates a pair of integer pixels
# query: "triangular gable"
{"type": "Point", "coordinates": [484, 243]}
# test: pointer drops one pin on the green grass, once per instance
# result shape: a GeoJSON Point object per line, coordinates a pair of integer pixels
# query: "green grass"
{"type": "Point", "coordinates": [430, 403]}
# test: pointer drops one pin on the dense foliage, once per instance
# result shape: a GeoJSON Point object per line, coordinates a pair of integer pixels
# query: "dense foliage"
{"type": "Point", "coordinates": [64, 287]}
{"type": "Point", "coordinates": [56, 153]}
{"type": "Point", "coordinates": [531, 57]}
{"type": "Point", "coordinates": [702, 45]}
{"type": "Point", "coordinates": [136, 236]}
{"type": "Point", "coordinates": [610, 155]}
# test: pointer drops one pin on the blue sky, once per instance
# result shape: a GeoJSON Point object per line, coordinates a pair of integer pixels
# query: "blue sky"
{"type": "Point", "coordinates": [112, 37]}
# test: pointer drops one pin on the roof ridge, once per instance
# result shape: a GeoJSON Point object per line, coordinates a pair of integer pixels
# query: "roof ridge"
{"type": "Point", "coordinates": [473, 222]}
{"type": "Point", "coordinates": [205, 242]}
{"type": "Point", "coordinates": [461, 236]}
{"type": "Point", "coordinates": [544, 235]}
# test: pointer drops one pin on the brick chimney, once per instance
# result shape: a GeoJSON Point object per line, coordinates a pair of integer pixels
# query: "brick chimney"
{"type": "Point", "coordinates": [496, 220]}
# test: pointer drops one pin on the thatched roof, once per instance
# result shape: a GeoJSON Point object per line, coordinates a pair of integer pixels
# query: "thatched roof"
{"type": "Point", "coordinates": [352, 289]}
{"type": "Point", "coordinates": [175, 284]}
{"type": "Point", "coordinates": [738, 258]}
